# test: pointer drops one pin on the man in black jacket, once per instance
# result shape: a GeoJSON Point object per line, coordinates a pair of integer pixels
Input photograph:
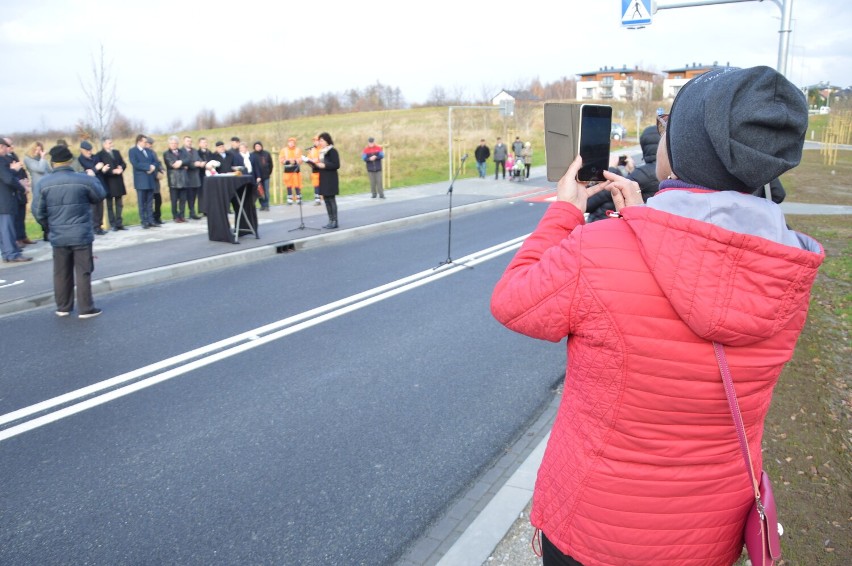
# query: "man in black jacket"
{"type": "Point", "coordinates": [204, 155]}
{"type": "Point", "coordinates": [21, 213]}
{"type": "Point", "coordinates": [65, 204]}
{"type": "Point", "coordinates": [224, 159]}
{"type": "Point", "coordinates": [10, 188]}
{"type": "Point", "coordinates": [265, 166]}
{"type": "Point", "coordinates": [481, 154]}
{"type": "Point", "coordinates": [112, 176]}
{"type": "Point", "coordinates": [194, 175]}
{"type": "Point", "coordinates": [93, 167]}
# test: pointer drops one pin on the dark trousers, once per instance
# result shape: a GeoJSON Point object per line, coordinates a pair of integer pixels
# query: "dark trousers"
{"type": "Point", "coordinates": [21, 221]}
{"type": "Point", "coordinates": [8, 245]}
{"type": "Point", "coordinates": [144, 198]}
{"type": "Point", "coordinates": [201, 198]}
{"type": "Point", "coordinates": [527, 166]}
{"type": "Point", "coordinates": [191, 197]}
{"type": "Point", "coordinates": [552, 556]}
{"type": "Point", "coordinates": [264, 200]}
{"type": "Point", "coordinates": [115, 207]}
{"type": "Point", "coordinates": [498, 165]}
{"type": "Point", "coordinates": [98, 215]}
{"type": "Point", "coordinates": [158, 205]}
{"type": "Point", "coordinates": [178, 198]}
{"type": "Point", "coordinates": [331, 207]}
{"type": "Point", "coordinates": [72, 263]}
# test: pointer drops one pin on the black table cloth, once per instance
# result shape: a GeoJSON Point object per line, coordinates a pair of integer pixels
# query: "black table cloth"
{"type": "Point", "coordinates": [219, 192]}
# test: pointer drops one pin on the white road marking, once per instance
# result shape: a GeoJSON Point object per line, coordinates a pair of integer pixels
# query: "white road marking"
{"type": "Point", "coordinates": [18, 282]}
{"type": "Point", "coordinates": [91, 396]}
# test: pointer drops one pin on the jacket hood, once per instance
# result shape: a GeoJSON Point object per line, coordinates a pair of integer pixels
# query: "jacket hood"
{"type": "Point", "coordinates": [649, 140]}
{"type": "Point", "coordinates": [726, 261]}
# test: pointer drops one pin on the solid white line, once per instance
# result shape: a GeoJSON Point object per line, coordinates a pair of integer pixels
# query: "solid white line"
{"type": "Point", "coordinates": [234, 345]}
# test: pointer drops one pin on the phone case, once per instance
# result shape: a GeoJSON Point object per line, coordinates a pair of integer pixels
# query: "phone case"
{"type": "Point", "coordinates": [561, 137]}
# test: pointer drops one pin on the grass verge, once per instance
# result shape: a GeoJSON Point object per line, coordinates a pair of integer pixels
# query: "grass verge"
{"type": "Point", "coordinates": [807, 435]}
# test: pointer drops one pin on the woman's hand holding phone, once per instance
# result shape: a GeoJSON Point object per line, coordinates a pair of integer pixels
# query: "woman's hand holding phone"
{"type": "Point", "coordinates": [570, 190]}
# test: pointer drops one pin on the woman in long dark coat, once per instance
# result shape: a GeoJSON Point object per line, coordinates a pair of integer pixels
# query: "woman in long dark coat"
{"type": "Point", "coordinates": [329, 183]}
{"type": "Point", "coordinates": [113, 176]}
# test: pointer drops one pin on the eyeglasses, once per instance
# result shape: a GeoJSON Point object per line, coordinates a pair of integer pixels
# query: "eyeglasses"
{"type": "Point", "coordinates": [662, 123]}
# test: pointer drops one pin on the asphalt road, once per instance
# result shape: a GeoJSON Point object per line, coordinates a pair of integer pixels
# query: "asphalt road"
{"type": "Point", "coordinates": [337, 413]}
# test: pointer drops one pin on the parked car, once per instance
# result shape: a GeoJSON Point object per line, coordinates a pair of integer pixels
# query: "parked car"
{"type": "Point", "coordinates": [617, 132]}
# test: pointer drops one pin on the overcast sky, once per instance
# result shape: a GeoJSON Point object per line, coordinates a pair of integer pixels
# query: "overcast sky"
{"type": "Point", "coordinates": [171, 58]}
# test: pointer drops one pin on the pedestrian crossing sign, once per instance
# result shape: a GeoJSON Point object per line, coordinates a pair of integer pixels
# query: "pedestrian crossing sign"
{"type": "Point", "coordinates": [635, 13]}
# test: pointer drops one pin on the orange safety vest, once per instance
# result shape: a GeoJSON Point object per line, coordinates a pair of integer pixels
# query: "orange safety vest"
{"type": "Point", "coordinates": [291, 180]}
{"type": "Point", "coordinates": [314, 154]}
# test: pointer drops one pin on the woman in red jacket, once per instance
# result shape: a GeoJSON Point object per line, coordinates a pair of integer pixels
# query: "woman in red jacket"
{"type": "Point", "coordinates": [643, 464]}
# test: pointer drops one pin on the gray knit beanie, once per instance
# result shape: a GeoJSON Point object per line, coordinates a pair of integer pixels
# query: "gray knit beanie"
{"type": "Point", "coordinates": [736, 129]}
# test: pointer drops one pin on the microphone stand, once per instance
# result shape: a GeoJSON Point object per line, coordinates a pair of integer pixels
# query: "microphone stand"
{"type": "Point", "coordinates": [449, 260]}
{"type": "Point", "coordinates": [301, 225]}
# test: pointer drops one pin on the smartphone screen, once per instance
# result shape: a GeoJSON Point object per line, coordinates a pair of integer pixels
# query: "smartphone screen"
{"type": "Point", "coordinates": [595, 127]}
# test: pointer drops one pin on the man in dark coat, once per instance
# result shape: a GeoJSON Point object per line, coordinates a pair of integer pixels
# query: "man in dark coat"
{"type": "Point", "coordinates": [20, 215]}
{"type": "Point", "coordinates": [204, 155]}
{"type": "Point", "coordinates": [159, 173]}
{"type": "Point", "coordinates": [501, 152]}
{"type": "Point", "coordinates": [10, 187]}
{"type": "Point", "coordinates": [225, 159]}
{"type": "Point", "coordinates": [177, 172]}
{"type": "Point", "coordinates": [481, 154]}
{"type": "Point", "coordinates": [65, 204]}
{"type": "Point", "coordinates": [92, 166]}
{"type": "Point", "coordinates": [194, 175]}
{"type": "Point", "coordinates": [235, 154]}
{"type": "Point", "coordinates": [264, 161]}
{"type": "Point", "coordinates": [144, 164]}
{"type": "Point", "coordinates": [113, 178]}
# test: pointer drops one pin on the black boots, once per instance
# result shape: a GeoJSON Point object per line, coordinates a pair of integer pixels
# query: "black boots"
{"type": "Point", "coordinates": [331, 208]}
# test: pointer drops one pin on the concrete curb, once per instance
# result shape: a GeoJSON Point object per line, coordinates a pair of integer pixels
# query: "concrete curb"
{"type": "Point", "coordinates": [478, 541]}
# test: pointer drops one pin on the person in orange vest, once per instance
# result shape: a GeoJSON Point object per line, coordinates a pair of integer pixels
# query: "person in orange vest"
{"type": "Point", "coordinates": [313, 153]}
{"type": "Point", "coordinates": [290, 157]}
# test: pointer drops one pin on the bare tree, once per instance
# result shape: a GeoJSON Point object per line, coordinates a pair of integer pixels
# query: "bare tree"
{"type": "Point", "coordinates": [437, 97]}
{"type": "Point", "coordinates": [206, 119]}
{"type": "Point", "coordinates": [100, 92]}
{"type": "Point", "coordinates": [124, 127]}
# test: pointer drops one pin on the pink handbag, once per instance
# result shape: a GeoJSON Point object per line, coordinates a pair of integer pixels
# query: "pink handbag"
{"type": "Point", "coordinates": [762, 532]}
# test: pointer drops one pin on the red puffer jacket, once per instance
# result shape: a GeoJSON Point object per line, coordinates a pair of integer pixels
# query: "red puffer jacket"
{"type": "Point", "coordinates": [643, 465]}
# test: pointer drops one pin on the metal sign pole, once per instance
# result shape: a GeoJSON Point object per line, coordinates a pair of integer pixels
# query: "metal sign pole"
{"type": "Point", "coordinates": [786, 7]}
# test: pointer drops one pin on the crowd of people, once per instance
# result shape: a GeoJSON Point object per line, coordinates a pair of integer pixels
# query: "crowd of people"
{"type": "Point", "coordinates": [517, 162]}
{"type": "Point", "coordinates": [68, 194]}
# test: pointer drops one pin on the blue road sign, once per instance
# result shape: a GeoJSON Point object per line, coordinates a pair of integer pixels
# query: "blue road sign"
{"type": "Point", "coordinates": [635, 13]}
